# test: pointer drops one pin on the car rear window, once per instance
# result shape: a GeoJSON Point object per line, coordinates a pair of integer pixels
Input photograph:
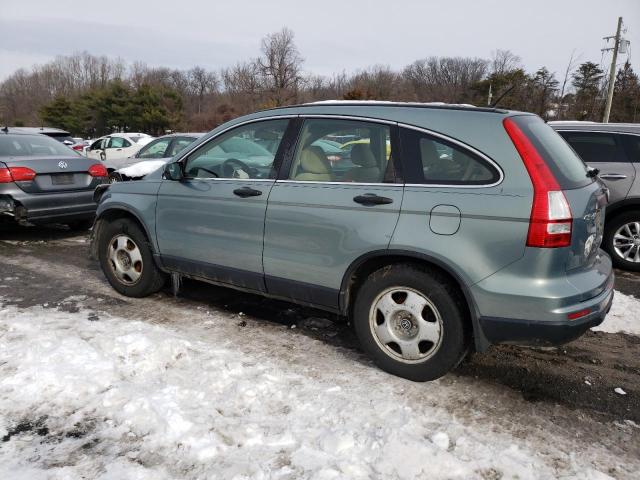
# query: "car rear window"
{"type": "Point", "coordinates": [568, 168]}
{"type": "Point", "coordinates": [32, 145]}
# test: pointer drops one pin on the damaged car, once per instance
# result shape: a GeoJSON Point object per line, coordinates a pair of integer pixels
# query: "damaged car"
{"type": "Point", "coordinates": [151, 157]}
{"type": "Point", "coordinates": [42, 181]}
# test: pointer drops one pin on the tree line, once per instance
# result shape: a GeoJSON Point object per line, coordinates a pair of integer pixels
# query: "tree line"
{"type": "Point", "coordinates": [91, 95]}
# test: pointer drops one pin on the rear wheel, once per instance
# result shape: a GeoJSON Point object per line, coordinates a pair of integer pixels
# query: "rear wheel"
{"type": "Point", "coordinates": [622, 240]}
{"type": "Point", "coordinates": [126, 259]}
{"type": "Point", "coordinates": [411, 321]}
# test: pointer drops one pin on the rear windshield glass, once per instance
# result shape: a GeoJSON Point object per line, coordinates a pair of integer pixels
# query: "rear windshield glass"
{"type": "Point", "coordinates": [562, 160]}
{"type": "Point", "coordinates": [32, 145]}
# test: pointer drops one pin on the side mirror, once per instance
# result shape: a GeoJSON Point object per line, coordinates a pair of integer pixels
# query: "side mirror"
{"type": "Point", "coordinates": [173, 171]}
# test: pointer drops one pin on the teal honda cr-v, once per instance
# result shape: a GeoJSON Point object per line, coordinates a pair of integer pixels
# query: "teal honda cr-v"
{"type": "Point", "coordinates": [434, 228]}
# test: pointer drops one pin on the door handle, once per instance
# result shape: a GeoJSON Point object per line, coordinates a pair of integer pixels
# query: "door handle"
{"type": "Point", "coordinates": [245, 192]}
{"type": "Point", "coordinates": [612, 176]}
{"type": "Point", "coordinates": [372, 199]}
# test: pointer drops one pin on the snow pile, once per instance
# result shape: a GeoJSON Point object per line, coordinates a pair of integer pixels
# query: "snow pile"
{"type": "Point", "coordinates": [624, 316]}
{"type": "Point", "coordinates": [141, 169]}
{"type": "Point", "coordinates": [113, 398]}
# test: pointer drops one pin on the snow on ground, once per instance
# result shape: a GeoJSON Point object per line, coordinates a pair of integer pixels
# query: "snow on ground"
{"type": "Point", "coordinates": [624, 316]}
{"type": "Point", "coordinates": [115, 398]}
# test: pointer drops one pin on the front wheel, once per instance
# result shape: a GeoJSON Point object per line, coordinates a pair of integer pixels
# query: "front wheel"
{"type": "Point", "coordinates": [126, 259]}
{"type": "Point", "coordinates": [622, 241]}
{"type": "Point", "coordinates": [411, 321]}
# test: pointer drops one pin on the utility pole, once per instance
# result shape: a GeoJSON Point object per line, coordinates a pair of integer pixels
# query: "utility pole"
{"type": "Point", "coordinates": [612, 72]}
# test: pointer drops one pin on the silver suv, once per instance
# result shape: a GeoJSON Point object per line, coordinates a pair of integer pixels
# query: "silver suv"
{"type": "Point", "coordinates": [613, 149]}
{"type": "Point", "coordinates": [434, 228]}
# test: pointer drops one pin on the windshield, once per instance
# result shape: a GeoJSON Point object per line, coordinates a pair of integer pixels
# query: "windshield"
{"type": "Point", "coordinates": [32, 145]}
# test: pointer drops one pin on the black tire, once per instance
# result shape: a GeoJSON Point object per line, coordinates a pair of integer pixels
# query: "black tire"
{"type": "Point", "coordinates": [80, 225]}
{"type": "Point", "coordinates": [151, 279]}
{"type": "Point", "coordinates": [610, 229]}
{"type": "Point", "coordinates": [442, 294]}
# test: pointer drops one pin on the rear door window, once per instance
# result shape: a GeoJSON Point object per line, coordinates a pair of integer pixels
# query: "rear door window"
{"type": "Point", "coordinates": [595, 147]}
{"type": "Point", "coordinates": [435, 161]}
{"type": "Point", "coordinates": [568, 168]}
{"type": "Point", "coordinates": [631, 144]}
{"type": "Point", "coordinates": [118, 142]}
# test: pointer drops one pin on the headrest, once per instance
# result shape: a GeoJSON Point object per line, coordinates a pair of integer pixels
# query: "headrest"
{"type": "Point", "coordinates": [362, 155]}
{"type": "Point", "coordinates": [313, 160]}
{"type": "Point", "coordinates": [429, 153]}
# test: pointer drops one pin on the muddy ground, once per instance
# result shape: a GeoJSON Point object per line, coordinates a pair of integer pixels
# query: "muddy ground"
{"type": "Point", "coordinates": [46, 266]}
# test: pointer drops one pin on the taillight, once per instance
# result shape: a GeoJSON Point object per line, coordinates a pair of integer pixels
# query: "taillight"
{"type": "Point", "coordinates": [98, 170]}
{"type": "Point", "coordinates": [16, 174]}
{"type": "Point", "coordinates": [551, 218]}
{"type": "Point", "coordinates": [77, 148]}
{"type": "Point", "coordinates": [5, 176]}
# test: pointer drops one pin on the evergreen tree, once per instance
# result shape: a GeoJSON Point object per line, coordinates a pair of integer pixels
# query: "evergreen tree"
{"type": "Point", "coordinates": [626, 96]}
{"type": "Point", "coordinates": [586, 80]}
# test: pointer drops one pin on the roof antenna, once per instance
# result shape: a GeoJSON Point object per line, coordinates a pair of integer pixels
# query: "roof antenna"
{"type": "Point", "coordinates": [495, 104]}
{"type": "Point", "coordinates": [5, 129]}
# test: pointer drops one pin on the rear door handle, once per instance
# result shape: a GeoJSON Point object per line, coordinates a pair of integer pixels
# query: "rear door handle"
{"type": "Point", "coordinates": [245, 192]}
{"type": "Point", "coordinates": [372, 199]}
{"type": "Point", "coordinates": [612, 176]}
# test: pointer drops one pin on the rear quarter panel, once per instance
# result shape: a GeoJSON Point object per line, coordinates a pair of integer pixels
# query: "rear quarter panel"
{"type": "Point", "coordinates": [493, 220]}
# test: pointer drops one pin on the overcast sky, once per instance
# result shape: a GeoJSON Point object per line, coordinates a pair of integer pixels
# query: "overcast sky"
{"type": "Point", "coordinates": [332, 35]}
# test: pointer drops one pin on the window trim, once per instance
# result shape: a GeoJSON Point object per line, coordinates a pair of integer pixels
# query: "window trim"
{"type": "Point", "coordinates": [276, 160]}
{"type": "Point", "coordinates": [285, 169]}
{"type": "Point", "coordinates": [463, 146]}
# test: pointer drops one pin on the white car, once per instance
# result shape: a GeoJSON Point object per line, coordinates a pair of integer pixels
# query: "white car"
{"type": "Point", "coordinates": [117, 146]}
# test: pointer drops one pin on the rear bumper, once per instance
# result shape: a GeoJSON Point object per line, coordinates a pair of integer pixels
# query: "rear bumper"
{"type": "Point", "coordinates": [535, 332]}
{"type": "Point", "coordinates": [522, 305]}
{"type": "Point", "coordinates": [48, 208]}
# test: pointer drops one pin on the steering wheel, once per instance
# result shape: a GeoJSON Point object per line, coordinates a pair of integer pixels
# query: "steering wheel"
{"type": "Point", "coordinates": [232, 165]}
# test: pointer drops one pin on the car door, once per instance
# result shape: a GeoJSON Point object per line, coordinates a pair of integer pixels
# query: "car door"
{"type": "Point", "coordinates": [96, 149]}
{"type": "Point", "coordinates": [116, 148]}
{"type": "Point", "coordinates": [323, 215]}
{"type": "Point", "coordinates": [211, 224]}
{"type": "Point", "coordinates": [604, 151]}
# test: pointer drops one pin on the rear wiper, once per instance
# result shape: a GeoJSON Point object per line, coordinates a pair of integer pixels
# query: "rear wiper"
{"type": "Point", "coordinates": [593, 172]}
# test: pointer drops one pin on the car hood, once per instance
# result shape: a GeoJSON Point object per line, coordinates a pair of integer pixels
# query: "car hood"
{"type": "Point", "coordinates": [142, 168]}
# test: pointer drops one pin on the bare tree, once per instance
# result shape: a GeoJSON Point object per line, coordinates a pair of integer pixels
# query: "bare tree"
{"type": "Point", "coordinates": [445, 79]}
{"type": "Point", "coordinates": [570, 67]}
{"type": "Point", "coordinates": [280, 66]}
{"type": "Point", "coordinates": [201, 83]}
{"type": "Point", "coordinates": [504, 61]}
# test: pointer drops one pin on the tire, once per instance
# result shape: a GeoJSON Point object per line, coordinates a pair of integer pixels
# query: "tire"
{"type": "Point", "coordinates": [81, 225]}
{"type": "Point", "coordinates": [126, 259]}
{"type": "Point", "coordinates": [425, 343]}
{"type": "Point", "coordinates": [611, 228]}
